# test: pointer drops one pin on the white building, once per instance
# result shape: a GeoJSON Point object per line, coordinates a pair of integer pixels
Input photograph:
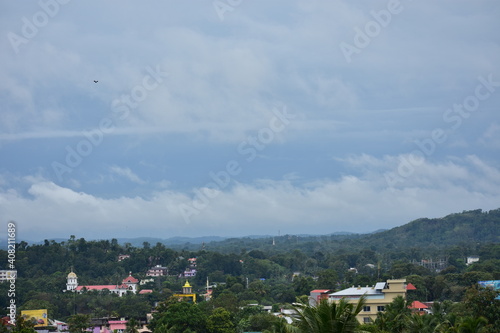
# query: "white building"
{"type": "Point", "coordinates": [377, 297]}
{"type": "Point", "coordinates": [158, 270]}
{"type": "Point", "coordinates": [7, 275]}
{"type": "Point", "coordinates": [129, 284]}
{"type": "Point", "coordinates": [72, 281]}
{"type": "Point", "coordinates": [472, 259]}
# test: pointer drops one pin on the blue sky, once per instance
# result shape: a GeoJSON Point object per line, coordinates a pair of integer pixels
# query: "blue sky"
{"type": "Point", "coordinates": [243, 117]}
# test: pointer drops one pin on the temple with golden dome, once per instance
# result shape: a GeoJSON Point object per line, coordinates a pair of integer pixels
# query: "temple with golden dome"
{"type": "Point", "coordinates": [187, 293]}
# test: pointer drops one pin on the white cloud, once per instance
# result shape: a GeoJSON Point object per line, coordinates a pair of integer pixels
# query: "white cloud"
{"type": "Point", "coordinates": [224, 78]}
{"type": "Point", "coordinates": [126, 173]}
{"type": "Point", "coordinates": [491, 137]}
{"type": "Point", "coordinates": [220, 72]}
{"type": "Point", "coordinates": [353, 203]}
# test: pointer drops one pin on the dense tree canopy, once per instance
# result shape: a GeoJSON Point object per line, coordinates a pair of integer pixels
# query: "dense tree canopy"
{"type": "Point", "coordinates": [254, 271]}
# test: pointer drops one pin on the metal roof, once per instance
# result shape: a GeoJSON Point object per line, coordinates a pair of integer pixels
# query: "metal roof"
{"type": "Point", "coordinates": [357, 291]}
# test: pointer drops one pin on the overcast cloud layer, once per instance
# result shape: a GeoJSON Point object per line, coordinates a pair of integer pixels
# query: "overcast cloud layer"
{"type": "Point", "coordinates": [245, 117]}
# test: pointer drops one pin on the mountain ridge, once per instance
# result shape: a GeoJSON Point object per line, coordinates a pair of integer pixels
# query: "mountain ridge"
{"type": "Point", "coordinates": [467, 226]}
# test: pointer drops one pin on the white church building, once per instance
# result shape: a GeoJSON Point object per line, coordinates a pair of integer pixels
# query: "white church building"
{"type": "Point", "coordinates": [129, 284]}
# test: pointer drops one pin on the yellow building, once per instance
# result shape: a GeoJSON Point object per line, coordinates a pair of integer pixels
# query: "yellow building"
{"type": "Point", "coordinates": [187, 293]}
{"type": "Point", "coordinates": [37, 317]}
{"type": "Point", "coordinates": [377, 297]}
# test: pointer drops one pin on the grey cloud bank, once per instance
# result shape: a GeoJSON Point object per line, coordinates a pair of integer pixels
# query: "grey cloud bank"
{"type": "Point", "coordinates": [392, 115]}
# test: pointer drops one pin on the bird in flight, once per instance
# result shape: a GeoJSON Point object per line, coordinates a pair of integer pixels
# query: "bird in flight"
{"type": "Point", "coordinates": [95, 81]}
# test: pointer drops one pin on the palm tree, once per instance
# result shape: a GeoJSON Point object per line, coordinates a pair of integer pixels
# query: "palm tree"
{"type": "Point", "coordinates": [132, 326]}
{"type": "Point", "coordinates": [326, 317]}
{"type": "Point", "coordinates": [279, 326]}
{"type": "Point", "coordinates": [395, 316]}
{"type": "Point", "coordinates": [420, 323]}
{"type": "Point", "coordinates": [472, 325]}
{"type": "Point", "coordinates": [79, 323]}
{"type": "Point", "coordinates": [449, 324]}
{"type": "Point", "coordinates": [455, 324]}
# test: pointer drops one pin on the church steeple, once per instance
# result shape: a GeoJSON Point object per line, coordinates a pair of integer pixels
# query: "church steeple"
{"type": "Point", "coordinates": [72, 281]}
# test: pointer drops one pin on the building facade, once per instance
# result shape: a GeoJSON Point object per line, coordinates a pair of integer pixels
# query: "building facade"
{"type": "Point", "coordinates": [158, 270]}
{"type": "Point", "coordinates": [6, 275]}
{"type": "Point", "coordinates": [129, 284]}
{"type": "Point", "coordinates": [71, 281]}
{"type": "Point", "coordinates": [317, 295]}
{"type": "Point", "coordinates": [377, 297]}
{"type": "Point", "coordinates": [187, 293]}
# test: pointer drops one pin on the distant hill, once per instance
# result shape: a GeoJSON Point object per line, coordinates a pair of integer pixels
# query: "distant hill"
{"type": "Point", "coordinates": [466, 227]}
{"type": "Point", "coordinates": [138, 242]}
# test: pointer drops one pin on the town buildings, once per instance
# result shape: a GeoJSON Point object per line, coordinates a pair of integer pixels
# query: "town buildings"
{"type": "Point", "coordinates": [6, 275]}
{"type": "Point", "coordinates": [123, 257]}
{"type": "Point", "coordinates": [129, 284]}
{"type": "Point", "coordinates": [158, 270]}
{"type": "Point", "coordinates": [187, 293]}
{"type": "Point", "coordinates": [317, 295]}
{"type": "Point", "coordinates": [377, 297]}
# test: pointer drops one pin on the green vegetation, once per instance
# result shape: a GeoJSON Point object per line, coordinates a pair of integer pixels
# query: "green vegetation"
{"type": "Point", "coordinates": [327, 317]}
{"type": "Point", "coordinates": [78, 323]}
{"type": "Point", "coordinates": [252, 273]}
{"type": "Point", "coordinates": [467, 316]}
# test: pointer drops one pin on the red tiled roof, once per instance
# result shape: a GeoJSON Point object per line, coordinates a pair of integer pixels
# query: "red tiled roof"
{"type": "Point", "coordinates": [410, 286]}
{"type": "Point", "coordinates": [418, 305]}
{"type": "Point", "coordinates": [6, 320]}
{"type": "Point", "coordinates": [120, 326]}
{"type": "Point", "coordinates": [97, 287]}
{"type": "Point", "coordinates": [117, 324]}
{"type": "Point", "coordinates": [320, 290]}
{"type": "Point", "coordinates": [130, 279]}
{"type": "Point", "coordinates": [146, 291]}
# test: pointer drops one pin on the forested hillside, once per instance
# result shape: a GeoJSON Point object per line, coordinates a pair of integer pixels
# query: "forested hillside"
{"type": "Point", "coordinates": [461, 228]}
{"type": "Point", "coordinates": [466, 228]}
{"type": "Point", "coordinates": [256, 271]}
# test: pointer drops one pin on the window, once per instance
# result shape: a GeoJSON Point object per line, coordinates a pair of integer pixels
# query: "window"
{"type": "Point", "coordinates": [367, 320]}
{"type": "Point", "coordinates": [366, 309]}
{"type": "Point", "coordinates": [380, 308]}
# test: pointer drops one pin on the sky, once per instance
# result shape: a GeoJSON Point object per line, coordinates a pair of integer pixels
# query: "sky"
{"type": "Point", "coordinates": [239, 117]}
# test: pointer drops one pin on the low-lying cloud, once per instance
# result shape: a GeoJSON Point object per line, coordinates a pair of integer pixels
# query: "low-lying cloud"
{"type": "Point", "coordinates": [357, 203]}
